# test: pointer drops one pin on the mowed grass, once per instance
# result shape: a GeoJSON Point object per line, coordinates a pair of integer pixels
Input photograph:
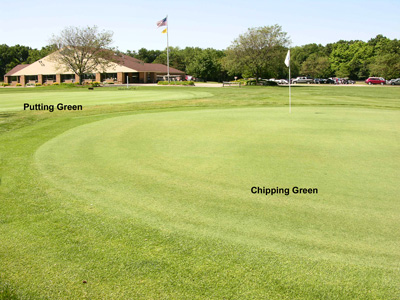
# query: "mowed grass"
{"type": "Point", "coordinates": [151, 199]}
{"type": "Point", "coordinates": [15, 99]}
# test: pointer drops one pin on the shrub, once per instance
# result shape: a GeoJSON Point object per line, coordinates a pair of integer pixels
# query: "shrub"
{"type": "Point", "coordinates": [18, 84]}
{"type": "Point", "coordinates": [5, 84]}
{"type": "Point", "coordinates": [38, 84]}
{"type": "Point", "coordinates": [95, 84]}
{"type": "Point", "coordinates": [261, 82]}
{"type": "Point", "coordinates": [69, 84]}
{"type": "Point", "coordinates": [269, 83]}
{"type": "Point", "coordinates": [56, 83]}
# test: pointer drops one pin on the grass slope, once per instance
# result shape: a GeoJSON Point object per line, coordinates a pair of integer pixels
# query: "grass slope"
{"type": "Point", "coordinates": [151, 200]}
{"type": "Point", "coordinates": [15, 99]}
{"type": "Point", "coordinates": [196, 171]}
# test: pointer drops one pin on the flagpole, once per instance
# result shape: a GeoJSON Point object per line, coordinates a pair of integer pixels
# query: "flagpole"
{"type": "Point", "coordinates": [287, 61]}
{"type": "Point", "coordinates": [290, 93]}
{"type": "Point", "coordinates": [167, 49]}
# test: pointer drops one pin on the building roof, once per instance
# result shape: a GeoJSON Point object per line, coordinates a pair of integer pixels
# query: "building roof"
{"type": "Point", "coordinates": [140, 66]}
{"type": "Point", "coordinates": [123, 63]}
{"type": "Point", "coordinates": [16, 69]}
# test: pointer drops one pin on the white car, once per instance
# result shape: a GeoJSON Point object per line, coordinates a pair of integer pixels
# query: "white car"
{"type": "Point", "coordinates": [281, 81]}
{"type": "Point", "coordinates": [302, 80]}
{"type": "Point", "coordinates": [394, 81]}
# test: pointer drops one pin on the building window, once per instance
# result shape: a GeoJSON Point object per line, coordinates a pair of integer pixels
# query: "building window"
{"type": "Point", "coordinates": [33, 78]}
{"type": "Point", "coordinates": [67, 77]}
{"type": "Point", "coordinates": [91, 76]}
{"type": "Point", "coordinates": [15, 78]}
{"type": "Point", "coordinates": [109, 77]}
{"type": "Point", "coordinates": [51, 77]}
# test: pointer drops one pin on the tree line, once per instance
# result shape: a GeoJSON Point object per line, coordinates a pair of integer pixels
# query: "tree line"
{"type": "Point", "coordinates": [200, 63]}
{"type": "Point", "coordinates": [357, 60]}
{"type": "Point", "coordinates": [258, 53]}
{"type": "Point", "coordinates": [11, 56]}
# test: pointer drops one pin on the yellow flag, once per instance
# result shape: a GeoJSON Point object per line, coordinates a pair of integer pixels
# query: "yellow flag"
{"type": "Point", "coordinates": [164, 31]}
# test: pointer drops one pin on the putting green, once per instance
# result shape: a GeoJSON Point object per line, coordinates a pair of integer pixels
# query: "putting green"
{"type": "Point", "coordinates": [15, 101]}
{"type": "Point", "coordinates": [192, 173]}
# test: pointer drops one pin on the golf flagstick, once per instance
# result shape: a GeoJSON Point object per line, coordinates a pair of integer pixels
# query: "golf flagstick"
{"type": "Point", "coordinates": [167, 49]}
{"type": "Point", "coordinates": [287, 63]}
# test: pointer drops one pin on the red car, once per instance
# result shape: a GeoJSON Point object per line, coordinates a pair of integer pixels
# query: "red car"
{"type": "Point", "coordinates": [375, 80]}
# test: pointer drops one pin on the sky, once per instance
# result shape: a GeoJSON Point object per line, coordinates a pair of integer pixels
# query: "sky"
{"type": "Point", "coordinates": [205, 24]}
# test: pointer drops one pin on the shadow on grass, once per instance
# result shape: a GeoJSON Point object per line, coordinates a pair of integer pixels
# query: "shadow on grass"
{"type": "Point", "coordinates": [8, 293]}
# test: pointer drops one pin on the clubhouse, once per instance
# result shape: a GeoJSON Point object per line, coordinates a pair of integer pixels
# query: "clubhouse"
{"type": "Point", "coordinates": [125, 69]}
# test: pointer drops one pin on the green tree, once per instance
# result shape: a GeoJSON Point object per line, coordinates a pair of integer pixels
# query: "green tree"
{"type": "Point", "coordinates": [379, 39]}
{"type": "Point", "coordinates": [300, 54]}
{"type": "Point", "coordinates": [316, 66]}
{"type": "Point", "coordinates": [176, 58]}
{"type": "Point", "coordinates": [386, 62]}
{"type": "Point", "coordinates": [148, 56]}
{"type": "Point", "coordinates": [206, 64]}
{"type": "Point", "coordinates": [35, 54]}
{"type": "Point", "coordinates": [343, 71]}
{"type": "Point", "coordinates": [387, 66]}
{"type": "Point", "coordinates": [351, 59]}
{"type": "Point", "coordinates": [12, 56]}
{"type": "Point", "coordinates": [257, 52]}
{"type": "Point", "coordinates": [83, 50]}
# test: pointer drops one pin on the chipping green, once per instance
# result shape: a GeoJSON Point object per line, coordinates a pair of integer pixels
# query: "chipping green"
{"type": "Point", "coordinates": [146, 194]}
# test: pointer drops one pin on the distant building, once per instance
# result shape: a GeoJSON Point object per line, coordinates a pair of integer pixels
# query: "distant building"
{"type": "Point", "coordinates": [127, 68]}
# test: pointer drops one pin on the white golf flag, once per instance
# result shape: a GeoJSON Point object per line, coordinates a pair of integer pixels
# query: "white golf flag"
{"type": "Point", "coordinates": [287, 59]}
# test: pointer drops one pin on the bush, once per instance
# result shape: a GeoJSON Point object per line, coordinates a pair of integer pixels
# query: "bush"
{"type": "Point", "coordinates": [5, 84]}
{"type": "Point", "coordinates": [56, 83]}
{"type": "Point", "coordinates": [269, 83]}
{"type": "Point", "coordinates": [18, 84]}
{"type": "Point", "coordinates": [261, 82]}
{"type": "Point", "coordinates": [38, 84]}
{"type": "Point", "coordinates": [95, 84]}
{"type": "Point", "coordinates": [250, 82]}
{"type": "Point", "coordinates": [69, 84]}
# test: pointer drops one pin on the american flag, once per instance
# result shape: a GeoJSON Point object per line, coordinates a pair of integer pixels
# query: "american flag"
{"type": "Point", "coordinates": [162, 22]}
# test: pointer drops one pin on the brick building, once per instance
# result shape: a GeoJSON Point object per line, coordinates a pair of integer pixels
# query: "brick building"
{"type": "Point", "coordinates": [125, 69]}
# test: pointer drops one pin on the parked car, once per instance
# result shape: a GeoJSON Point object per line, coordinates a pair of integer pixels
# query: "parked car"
{"type": "Point", "coordinates": [330, 81]}
{"type": "Point", "coordinates": [302, 80]}
{"type": "Point", "coordinates": [319, 80]}
{"type": "Point", "coordinates": [281, 81]}
{"type": "Point", "coordinates": [394, 81]}
{"type": "Point", "coordinates": [375, 80]}
{"type": "Point", "coordinates": [346, 81]}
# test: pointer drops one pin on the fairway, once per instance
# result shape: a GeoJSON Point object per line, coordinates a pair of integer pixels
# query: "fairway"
{"type": "Point", "coordinates": [153, 198]}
